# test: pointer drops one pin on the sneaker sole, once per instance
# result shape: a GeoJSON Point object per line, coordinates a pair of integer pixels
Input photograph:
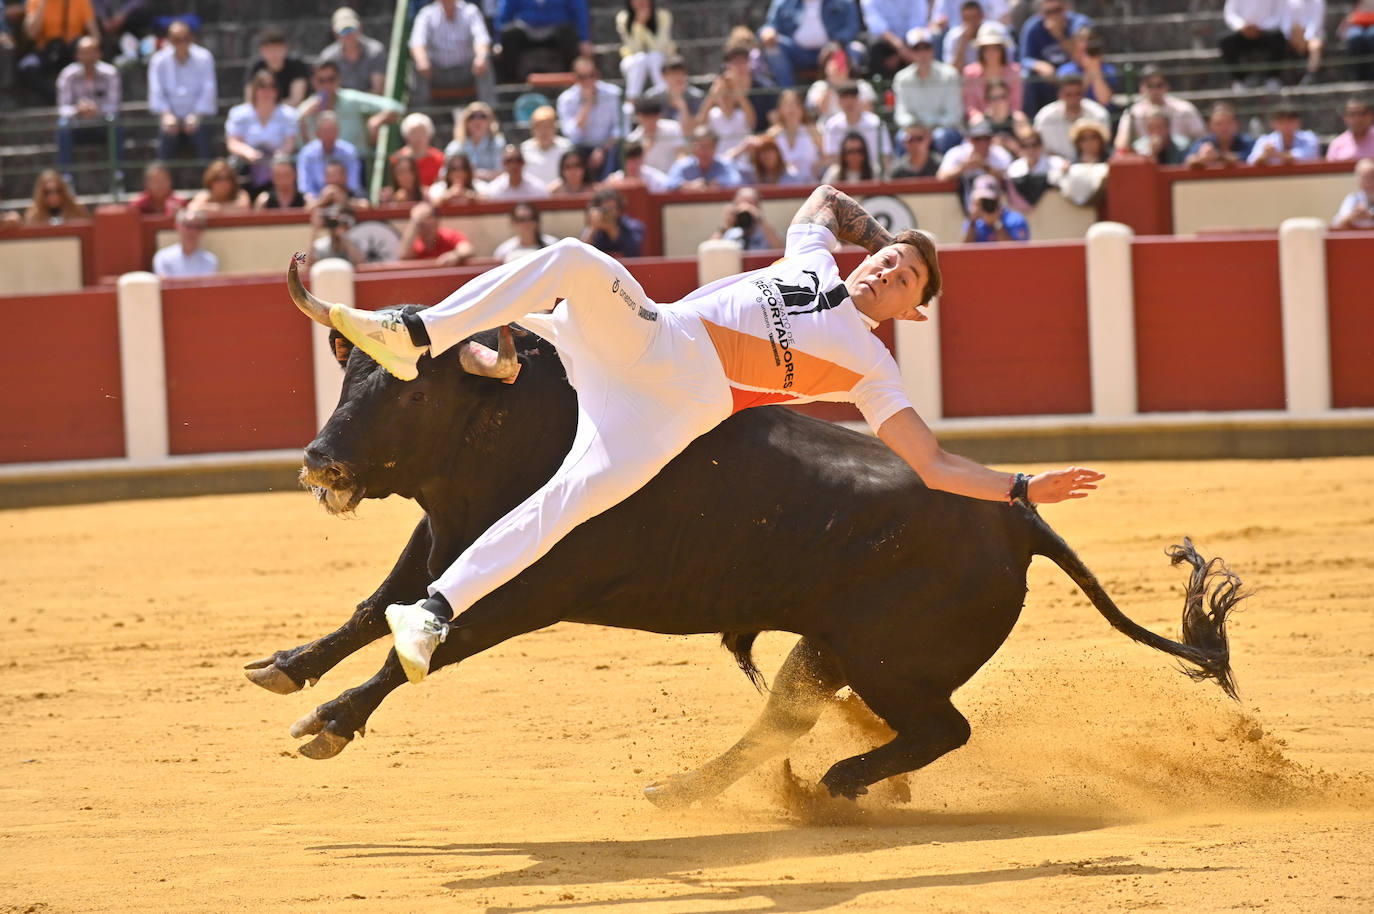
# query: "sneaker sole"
{"type": "Point", "coordinates": [413, 670]}
{"type": "Point", "coordinates": [397, 366]}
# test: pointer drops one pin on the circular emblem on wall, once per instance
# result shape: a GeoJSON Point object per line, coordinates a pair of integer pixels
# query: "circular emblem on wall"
{"type": "Point", "coordinates": [891, 213]}
{"type": "Point", "coordinates": [376, 239]}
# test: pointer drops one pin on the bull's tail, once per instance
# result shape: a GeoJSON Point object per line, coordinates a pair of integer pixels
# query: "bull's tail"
{"type": "Point", "coordinates": [741, 644]}
{"type": "Point", "coordinates": [1204, 614]}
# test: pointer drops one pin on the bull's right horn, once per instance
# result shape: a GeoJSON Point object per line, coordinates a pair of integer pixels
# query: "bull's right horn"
{"type": "Point", "coordinates": [314, 308]}
{"type": "Point", "coordinates": [502, 364]}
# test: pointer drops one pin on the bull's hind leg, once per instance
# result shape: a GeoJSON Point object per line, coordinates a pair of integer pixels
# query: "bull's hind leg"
{"type": "Point", "coordinates": [806, 682]}
{"type": "Point", "coordinates": [925, 731]}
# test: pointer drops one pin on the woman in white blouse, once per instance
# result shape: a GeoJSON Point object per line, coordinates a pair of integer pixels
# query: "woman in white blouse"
{"type": "Point", "coordinates": [798, 139]}
{"type": "Point", "coordinates": [729, 115]}
{"type": "Point", "coordinates": [646, 38]}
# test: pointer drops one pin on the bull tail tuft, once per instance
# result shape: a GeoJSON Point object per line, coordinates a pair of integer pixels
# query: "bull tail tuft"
{"type": "Point", "coordinates": [741, 644]}
{"type": "Point", "coordinates": [1212, 593]}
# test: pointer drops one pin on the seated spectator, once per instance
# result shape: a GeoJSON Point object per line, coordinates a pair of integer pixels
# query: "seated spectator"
{"type": "Point", "coordinates": [528, 238]}
{"type": "Point", "coordinates": [572, 175]}
{"type": "Point", "coordinates": [991, 66]}
{"type": "Point", "coordinates": [451, 48]}
{"type": "Point", "coordinates": [459, 183]}
{"type": "Point", "coordinates": [1090, 141]}
{"type": "Point", "coordinates": [609, 230]}
{"type": "Point", "coordinates": [221, 192]}
{"type": "Point", "coordinates": [852, 118]}
{"type": "Point", "coordinates": [1101, 82]}
{"type": "Point", "coordinates": [798, 139]}
{"type": "Point", "coordinates": [1357, 142]}
{"type": "Point", "coordinates": [325, 147]}
{"type": "Point", "coordinates": [1286, 143]}
{"type": "Point", "coordinates": [186, 257]}
{"type": "Point", "coordinates": [765, 164]}
{"type": "Point", "coordinates": [405, 184]}
{"type": "Point", "coordinates": [335, 191]}
{"type": "Point", "coordinates": [560, 30]}
{"type": "Point", "coordinates": [1306, 32]}
{"type": "Point", "coordinates": [928, 91]}
{"type": "Point", "coordinates": [1358, 30]}
{"type": "Point", "coordinates": [646, 40]}
{"type": "Point", "coordinates": [513, 181]}
{"type": "Point", "coordinates": [1035, 172]}
{"type": "Point", "coordinates": [744, 223]}
{"type": "Point", "coordinates": [360, 58]}
{"type": "Point", "coordinates": [53, 201]}
{"type": "Point", "coordinates": [589, 113]}
{"type": "Point", "coordinates": [959, 48]}
{"type": "Point", "coordinates": [1008, 124]}
{"type": "Point", "coordinates": [681, 100]}
{"type": "Point", "coordinates": [360, 114]}
{"type": "Point", "coordinates": [978, 155]}
{"type": "Point", "coordinates": [1045, 47]}
{"type": "Point", "coordinates": [945, 12]}
{"type": "Point", "coordinates": [729, 115]}
{"type": "Point", "coordinates": [661, 138]}
{"type": "Point", "coordinates": [1256, 34]}
{"type": "Point", "coordinates": [888, 23]}
{"type": "Point", "coordinates": [1357, 209]}
{"type": "Point", "coordinates": [290, 74]}
{"type": "Point", "coordinates": [182, 93]}
{"type": "Point", "coordinates": [1055, 119]}
{"type": "Point", "coordinates": [989, 218]}
{"type": "Point", "coordinates": [88, 104]}
{"type": "Point", "coordinates": [636, 172]}
{"type": "Point", "coordinates": [331, 223]}
{"type": "Point", "coordinates": [284, 191]}
{"type": "Point", "coordinates": [157, 197]}
{"type": "Point", "coordinates": [918, 159]}
{"type": "Point", "coordinates": [823, 99]}
{"type": "Point", "coordinates": [425, 239]}
{"type": "Point", "coordinates": [1159, 144]}
{"type": "Point", "coordinates": [1184, 120]}
{"type": "Point", "coordinates": [124, 25]}
{"type": "Point", "coordinates": [702, 170]}
{"type": "Point", "coordinates": [476, 133]}
{"type": "Point", "coordinates": [793, 34]}
{"type": "Point", "coordinates": [1224, 144]}
{"type": "Point", "coordinates": [749, 74]}
{"type": "Point", "coordinates": [853, 162]}
{"type": "Point", "coordinates": [53, 28]}
{"type": "Point", "coordinates": [418, 131]}
{"type": "Point", "coordinates": [544, 149]}
{"type": "Point", "coordinates": [256, 131]}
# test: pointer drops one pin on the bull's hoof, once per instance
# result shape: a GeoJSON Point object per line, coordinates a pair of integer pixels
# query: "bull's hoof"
{"type": "Point", "coordinates": [677, 792]}
{"type": "Point", "coordinates": [265, 673]}
{"type": "Point", "coordinates": [308, 725]}
{"type": "Point", "coordinates": [326, 745]}
{"type": "Point", "coordinates": [842, 788]}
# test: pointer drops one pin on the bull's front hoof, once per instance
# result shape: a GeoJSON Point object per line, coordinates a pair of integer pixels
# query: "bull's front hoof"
{"type": "Point", "coordinates": [326, 745]}
{"type": "Point", "coordinates": [843, 788]}
{"type": "Point", "coordinates": [308, 725]}
{"type": "Point", "coordinates": [677, 792]}
{"type": "Point", "coordinates": [265, 673]}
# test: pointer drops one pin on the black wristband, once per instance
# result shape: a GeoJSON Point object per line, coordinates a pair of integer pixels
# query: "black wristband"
{"type": "Point", "coordinates": [1020, 488]}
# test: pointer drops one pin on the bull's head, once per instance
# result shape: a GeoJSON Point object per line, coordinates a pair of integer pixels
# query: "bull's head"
{"type": "Point", "coordinates": [393, 437]}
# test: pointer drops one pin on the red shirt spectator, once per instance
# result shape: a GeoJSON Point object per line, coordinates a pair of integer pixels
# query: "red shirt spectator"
{"type": "Point", "coordinates": [426, 239]}
{"type": "Point", "coordinates": [158, 198]}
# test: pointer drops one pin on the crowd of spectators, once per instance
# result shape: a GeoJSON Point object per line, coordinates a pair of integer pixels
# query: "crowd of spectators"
{"type": "Point", "coordinates": [1007, 112]}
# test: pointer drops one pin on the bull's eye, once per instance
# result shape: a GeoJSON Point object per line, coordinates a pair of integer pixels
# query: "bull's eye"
{"type": "Point", "coordinates": [417, 396]}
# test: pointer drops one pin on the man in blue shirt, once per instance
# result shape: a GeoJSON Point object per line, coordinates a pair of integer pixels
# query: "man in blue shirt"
{"type": "Point", "coordinates": [1287, 143]}
{"type": "Point", "coordinates": [558, 27]}
{"type": "Point", "coordinates": [1045, 47]}
{"type": "Point", "coordinates": [325, 146]}
{"type": "Point", "coordinates": [1224, 144]}
{"type": "Point", "coordinates": [701, 169]}
{"type": "Point", "coordinates": [589, 114]}
{"type": "Point", "coordinates": [988, 219]}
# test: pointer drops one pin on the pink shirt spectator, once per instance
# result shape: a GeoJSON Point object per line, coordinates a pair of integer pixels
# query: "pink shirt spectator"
{"type": "Point", "coordinates": [1345, 147]}
{"type": "Point", "coordinates": [975, 87]}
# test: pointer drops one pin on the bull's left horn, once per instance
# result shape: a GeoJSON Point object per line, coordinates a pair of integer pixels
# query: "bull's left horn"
{"type": "Point", "coordinates": [502, 364]}
{"type": "Point", "coordinates": [316, 310]}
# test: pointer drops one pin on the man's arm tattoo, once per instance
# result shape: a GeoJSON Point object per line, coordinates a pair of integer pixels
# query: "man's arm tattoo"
{"type": "Point", "coordinates": [844, 217]}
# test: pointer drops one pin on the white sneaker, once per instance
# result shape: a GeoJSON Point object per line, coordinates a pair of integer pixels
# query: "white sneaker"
{"type": "Point", "coordinates": [382, 335]}
{"type": "Point", "coordinates": [418, 632]}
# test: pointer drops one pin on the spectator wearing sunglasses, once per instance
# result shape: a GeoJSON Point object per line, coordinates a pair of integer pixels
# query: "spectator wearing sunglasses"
{"type": "Point", "coordinates": [1184, 119]}
{"type": "Point", "coordinates": [917, 160]}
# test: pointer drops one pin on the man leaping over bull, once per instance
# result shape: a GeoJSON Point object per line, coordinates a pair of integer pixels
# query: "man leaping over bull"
{"type": "Point", "coordinates": [650, 378]}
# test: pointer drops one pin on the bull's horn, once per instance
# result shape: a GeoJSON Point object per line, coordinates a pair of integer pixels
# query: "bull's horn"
{"type": "Point", "coordinates": [480, 360]}
{"type": "Point", "coordinates": [316, 310]}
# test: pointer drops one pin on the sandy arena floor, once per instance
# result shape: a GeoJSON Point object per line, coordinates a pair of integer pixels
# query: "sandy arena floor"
{"type": "Point", "coordinates": [139, 770]}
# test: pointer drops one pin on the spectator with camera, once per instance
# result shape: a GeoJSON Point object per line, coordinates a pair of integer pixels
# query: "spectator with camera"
{"type": "Point", "coordinates": [1286, 143]}
{"type": "Point", "coordinates": [989, 219]}
{"type": "Point", "coordinates": [1224, 144]}
{"type": "Point", "coordinates": [425, 239]}
{"type": "Point", "coordinates": [1357, 209]}
{"type": "Point", "coordinates": [608, 228]}
{"type": "Point", "coordinates": [1101, 82]}
{"type": "Point", "coordinates": [332, 223]}
{"type": "Point", "coordinates": [360, 58]}
{"type": "Point", "coordinates": [744, 223]}
{"type": "Point", "coordinates": [1357, 142]}
{"type": "Point", "coordinates": [88, 92]}
{"type": "Point", "coordinates": [182, 93]}
{"type": "Point", "coordinates": [186, 257]}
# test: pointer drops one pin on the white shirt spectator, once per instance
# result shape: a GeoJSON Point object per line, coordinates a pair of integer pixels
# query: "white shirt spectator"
{"type": "Point", "coordinates": [499, 187]}
{"type": "Point", "coordinates": [103, 88]}
{"type": "Point", "coordinates": [542, 164]}
{"type": "Point", "coordinates": [182, 87]}
{"type": "Point", "coordinates": [450, 42]}
{"type": "Point", "coordinates": [1309, 15]}
{"type": "Point", "coordinates": [1269, 15]}
{"type": "Point", "coordinates": [667, 144]}
{"type": "Point", "coordinates": [954, 160]}
{"type": "Point", "coordinates": [1052, 123]}
{"type": "Point", "coordinates": [1354, 201]}
{"type": "Point", "coordinates": [936, 100]}
{"type": "Point", "coordinates": [826, 103]}
{"type": "Point", "coordinates": [878, 139]}
{"type": "Point", "coordinates": [174, 261]}
{"type": "Point", "coordinates": [511, 248]}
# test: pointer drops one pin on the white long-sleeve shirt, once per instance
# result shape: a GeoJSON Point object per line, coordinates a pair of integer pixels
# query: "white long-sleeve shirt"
{"type": "Point", "coordinates": [1269, 15]}
{"type": "Point", "coordinates": [182, 87]}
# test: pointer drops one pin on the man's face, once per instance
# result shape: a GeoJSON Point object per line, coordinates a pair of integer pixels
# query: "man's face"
{"type": "Point", "coordinates": [87, 51]}
{"type": "Point", "coordinates": [543, 129]}
{"type": "Point", "coordinates": [1053, 12]}
{"type": "Point", "coordinates": [325, 80]}
{"type": "Point", "coordinates": [982, 145]}
{"type": "Point", "coordinates": [1157, 127]}
{"type": "Point", "coordinates": [514, 164]}
{"type": "Point", "coordinates": [917, 142]}
{"type": "Point", "coordinates": [971, 15]}
{"type": "Point", "coordinates": [1222, 124]}
{"type": "Point", "coordinates": [849, 103]}
{"type": "Point", "coordinates": [274, 54]}
{"type": "Point", "coordinates": [336, 174]}
{"type": "Point", "coordinates": [190, 231]}
{"type": "Point", "coordinates": [889, 284]}
{"type": "Point", "coordinates": [426, 221]}
{"type": "Point", "coordinates": [675, 78]}
{"type": "Point", "coordinates": [1071, 95]}
{"type": "Point", "coordinates": [1155, 89]}
{"type": "Point", "coordinates": [925, 53]}
{"type": "Point", "coordinates": [1364, 177]}
{"type": "Point", "coordinates": [1287, 126]}
{"type": "Point", "coordinates": [1358, 119]}
{"type": "Point", "coordinates": [648, 120]}
{"type": "Point", "coordinates": [327, 129]}
{"type": "Point", "coordinates": [179, 36]}
{"type": "Point", "coordinates": [610, 209]}
{"type": "Point", "coordinates": [585, 74]}
{"type": "Point", "coordinates": [704, 148]}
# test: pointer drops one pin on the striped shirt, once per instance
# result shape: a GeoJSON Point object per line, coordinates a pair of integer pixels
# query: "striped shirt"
{"type": "Point", "coordinates": [102, 87]}
{"type": "Point", "coordinates": [450, 42]}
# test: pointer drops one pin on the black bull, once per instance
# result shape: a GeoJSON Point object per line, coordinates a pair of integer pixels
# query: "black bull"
{"type": "Point", "coordinates": [773, 521]}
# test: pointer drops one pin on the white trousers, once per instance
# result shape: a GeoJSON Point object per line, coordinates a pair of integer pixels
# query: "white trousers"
{"type": "Point", "coordinates": [640, 68]}
{"type": "Point", "coordinates": [648, 383]}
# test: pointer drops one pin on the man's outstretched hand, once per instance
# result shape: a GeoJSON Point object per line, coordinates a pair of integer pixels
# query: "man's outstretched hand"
{"type": "Point", "coordinates": [1057, 485]}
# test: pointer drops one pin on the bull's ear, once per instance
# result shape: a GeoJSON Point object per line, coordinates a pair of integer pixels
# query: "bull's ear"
{"type": "Point", "coordinates": [342, 347]}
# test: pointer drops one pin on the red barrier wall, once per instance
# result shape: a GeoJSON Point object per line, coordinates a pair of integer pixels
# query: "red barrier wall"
{"type": "Point", "coordinates": [1014, 330]}
{"type": "Point", "coordinates": [1350, 294]}
{"type": "Point", "coordinates": [1209, 331]}
{"type": "Point", "coordinates": [60, 398]}
{"type": "Point", "coordinates": [239, 384]}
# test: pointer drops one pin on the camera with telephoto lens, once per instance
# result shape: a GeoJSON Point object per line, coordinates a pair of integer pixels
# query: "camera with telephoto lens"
{"type": "Point", "coordinates": [337, 217]}
{"type": "Point", "coordinates": [744, 220]}
{"type": "Point", "coordinates": [987, 205]}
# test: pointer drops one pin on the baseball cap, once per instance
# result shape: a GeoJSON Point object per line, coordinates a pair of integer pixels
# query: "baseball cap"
{"type": "Point", "coordinates": [344, 19]}
{"type": "Point", "coordinates": [919, 36]}
{"type": "Point", "coordinates": [985, 188]}
{"type": "Point", "coordinates": [982, 128]}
